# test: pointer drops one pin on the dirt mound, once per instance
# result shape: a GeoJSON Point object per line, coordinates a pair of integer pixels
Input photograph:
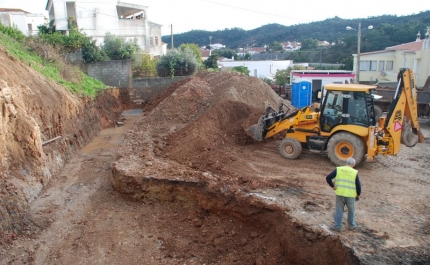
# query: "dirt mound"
{"type": "Point", "coordinates": [211, 136]}
{"type": "Point", "coordinates": [196, 122]}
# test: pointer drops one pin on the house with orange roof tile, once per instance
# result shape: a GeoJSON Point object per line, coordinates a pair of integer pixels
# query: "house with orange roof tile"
{"type": "Point", "coordinates": [383, 66]}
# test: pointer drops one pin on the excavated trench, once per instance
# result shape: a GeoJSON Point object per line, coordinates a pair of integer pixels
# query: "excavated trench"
{"type": "Point", "coordinates": [256, 228]}
{"type": "Point", "coordinates": [177, 154]}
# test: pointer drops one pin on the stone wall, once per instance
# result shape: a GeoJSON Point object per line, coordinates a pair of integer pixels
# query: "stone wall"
{"type": "Point", "coordinates": [118, 73]}
{"type": "Point", "coordinates": [143, 89]}
{"type": "Point", "coordinates": [113, 73]}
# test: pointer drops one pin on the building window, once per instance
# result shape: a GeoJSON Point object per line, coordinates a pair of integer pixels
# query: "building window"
{"type": "Point", "coordinates": [381, 65]}
{"type": "Point", "coordinates": [30, 28]}
{"type": "Point", "coordinates": [389, 65]}
{"type": "Point", "coordinates": [368, 65]}
{"type": "Point", "coordinates": [156, 41]}
{"type": "Point", "coordinates": [151, 41]}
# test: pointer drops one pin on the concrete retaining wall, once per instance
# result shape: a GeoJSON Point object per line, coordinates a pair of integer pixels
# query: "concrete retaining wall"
{"type": "Point", "coordinates": [113, 73]}
{"type": "Point", "coordinates": [143, 89]}
{"type": "Point", "coordinates": [118, 73]}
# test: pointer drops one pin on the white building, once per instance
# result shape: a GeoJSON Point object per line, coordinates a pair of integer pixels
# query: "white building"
{"type": "Point", "coordinates": [26, 22]}
{"type": "Point", "coordinates": [265, 69]}
{"type": "Point", "coordinates": [95, 18]}
{"type": "Point", "coordinates": [384, 65]}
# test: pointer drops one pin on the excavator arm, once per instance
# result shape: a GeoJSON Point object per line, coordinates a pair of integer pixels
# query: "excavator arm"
{"type": "Point", "coordinates": [400, 124]}
{"type": "Point", "coordinates": [277, 121]}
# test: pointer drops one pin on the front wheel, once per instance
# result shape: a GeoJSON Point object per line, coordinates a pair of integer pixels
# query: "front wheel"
{"type": "Point", "coordinates": [344, 145]}
{"type": "Point", "coordinates": [290, 148]}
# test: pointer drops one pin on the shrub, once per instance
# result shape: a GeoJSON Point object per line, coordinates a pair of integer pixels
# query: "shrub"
{"type": "Point", "coordinates": [177, 62]}
{"type": "Point", "coordinates": [241, 69]}
{"type": "Point", "coordinates": [144, 65]}
{"type": "Point", "coordinates": [12, 32]}
{"type": "Point", "coordinates": [118, 49]}
{"type": "Point", "coordinates": [92, 53]}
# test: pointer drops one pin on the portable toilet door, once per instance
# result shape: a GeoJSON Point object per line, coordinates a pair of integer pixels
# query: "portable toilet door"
{"type": "Point", "coordinates": [301, 94]}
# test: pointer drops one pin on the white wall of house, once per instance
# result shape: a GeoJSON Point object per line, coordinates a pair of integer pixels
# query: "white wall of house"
{"type": "Point", "coordinates": [383, 66]}
{"type": "Point", "coordinates": [27, 23]}
{"type": "Point", "coordinates": [95, 18]}
{"type": "Point", "coordinates": [259, 68]}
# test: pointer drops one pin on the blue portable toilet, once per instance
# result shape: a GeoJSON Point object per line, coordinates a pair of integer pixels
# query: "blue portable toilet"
{"type": "Point", "coordinates": [301, 94]}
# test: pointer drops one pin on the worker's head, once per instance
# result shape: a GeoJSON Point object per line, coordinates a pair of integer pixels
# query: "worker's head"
{"type": "Point", "coordinates": [350, 162]}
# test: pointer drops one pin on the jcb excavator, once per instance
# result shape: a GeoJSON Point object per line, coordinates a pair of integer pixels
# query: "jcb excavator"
{"type": "Point", "coordinates": [344, 126]}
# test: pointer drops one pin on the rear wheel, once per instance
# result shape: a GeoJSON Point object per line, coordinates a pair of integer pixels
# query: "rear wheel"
{"type": "Point", "coordinates": [344, 145]}
{"type": "Point", "coordinates": [290, 148]}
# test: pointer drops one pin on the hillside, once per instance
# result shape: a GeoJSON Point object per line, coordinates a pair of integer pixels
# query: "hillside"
{"type": "Point", "coordinates": [388, 30]}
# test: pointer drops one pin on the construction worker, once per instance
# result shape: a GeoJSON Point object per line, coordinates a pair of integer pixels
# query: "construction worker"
{"type": "Point", "coordinates": [348, 189]}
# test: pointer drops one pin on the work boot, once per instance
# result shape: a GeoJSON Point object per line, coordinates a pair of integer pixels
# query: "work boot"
{"type": "Point", "coordinates": [352, 228]}
{"type": "Point", "coordinates": [335, 228]}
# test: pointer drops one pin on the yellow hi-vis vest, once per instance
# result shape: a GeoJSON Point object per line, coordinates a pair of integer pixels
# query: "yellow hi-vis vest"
{"type": "Point", "coordinates": [345, 181]}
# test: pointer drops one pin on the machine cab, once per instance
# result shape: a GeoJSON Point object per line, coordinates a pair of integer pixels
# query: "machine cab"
{"type": "Point", "coordinates": [347, 104]}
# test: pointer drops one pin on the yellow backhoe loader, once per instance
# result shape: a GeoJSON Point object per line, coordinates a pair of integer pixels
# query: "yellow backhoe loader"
{"type": "Point", "coordinates": [344, 125]}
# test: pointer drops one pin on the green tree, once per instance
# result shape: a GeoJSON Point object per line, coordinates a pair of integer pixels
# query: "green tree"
{"type": "Point", "coordinates": [227, 53]}
{"type": "Point", "coordinates": [193, 47]}
{"type": "Point", "coordinates": [241, 69]}
{"type": "Point", "coordinates": [266, 80]}
{"type": "Point", "coordinates": [211, 62]}
{"type": "Point", "coordinates": [275, 47]}
{"type": "Point", "coordinates": [48, 28]}
{"type": "Point", "coordinates": [145, 65]}
{"type": "Point", "coordinates": [74, 41]}
{"type": "Point", "coordinates": [347, 63]}
{"type": "Point", "coordinates": [177, 62]}
{"type": "Point", "coordinates": [282, 77]}
{"type": "Point", "coordinates": [309, 44]}
{"type": "Point", "coordinates": [118, 48]}
{"type": "Point", "coordinates": [92, 53]}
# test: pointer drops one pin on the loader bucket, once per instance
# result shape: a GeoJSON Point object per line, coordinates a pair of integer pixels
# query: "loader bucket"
{"type": "Point", "coordinates": [410, 137]}
{"type": "Point", "coordinates": [256, 131]}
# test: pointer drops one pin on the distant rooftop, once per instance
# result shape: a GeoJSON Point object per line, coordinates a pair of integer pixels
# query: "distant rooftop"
{"type": "Point", "coordinates": [13, 10]}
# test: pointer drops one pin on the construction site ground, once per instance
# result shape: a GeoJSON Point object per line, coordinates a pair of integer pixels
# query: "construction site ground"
{"type": "Point", "coordinates": [180, 182]}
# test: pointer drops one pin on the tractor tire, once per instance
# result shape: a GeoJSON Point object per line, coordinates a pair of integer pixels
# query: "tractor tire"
{"type": "Point", "coordinates": [408, 138]}
{"type": "Point", "coordinates": [290, 148]}
{"type": "Point", "coordinates": [344, 145]}
{"type": "Point", "coordinates": [378, 112]}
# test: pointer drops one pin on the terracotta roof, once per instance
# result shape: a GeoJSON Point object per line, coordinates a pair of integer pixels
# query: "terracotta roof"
{"type": "Point", "coordinates": [257, 49]}
{"type": "Point", "coordinates": [13, 10]}
{"type": "Point", "coordinates": [205, 53]}
{"type": "Point", "coordinates": [411, 46]}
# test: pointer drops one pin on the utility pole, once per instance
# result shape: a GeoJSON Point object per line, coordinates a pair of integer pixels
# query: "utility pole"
{"type": "Point", "coordinates": [358, 53]}
{"type": "Point", "coordinates": [171, 34]}
{"type": "Point", "coordinates": [357, 63]}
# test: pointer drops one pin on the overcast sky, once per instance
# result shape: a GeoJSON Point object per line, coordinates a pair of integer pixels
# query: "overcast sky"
{"type": "Point", "coordinates": [212, 15]}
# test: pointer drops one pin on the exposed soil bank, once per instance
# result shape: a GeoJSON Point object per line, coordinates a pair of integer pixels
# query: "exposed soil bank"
{"type": "Point", "coordinates": [275, 237]}
{"type": "Point", "coordinates": [42, 125]}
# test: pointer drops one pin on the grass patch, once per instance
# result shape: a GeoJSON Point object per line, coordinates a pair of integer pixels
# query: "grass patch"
{"type": "Point", "coordinates": [82, 84]}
